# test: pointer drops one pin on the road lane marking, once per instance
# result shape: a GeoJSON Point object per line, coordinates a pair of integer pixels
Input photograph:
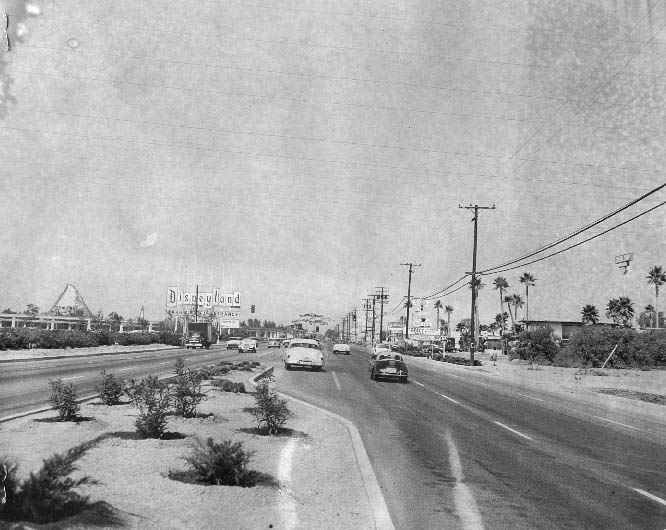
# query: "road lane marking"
{"type": "Point", "coordinates": [74, 377]}
{"type": "Point", "coordinates": [165, 363]}
{"type": "Point", "coordinates": [531, 397]}
{"type": "Point", "coordinates": [466, 507]}
{"type": "Point", "coordinates": [417, 383]}
{"type": "Point", "coordinates": [287, 502]}
{"type": "Point", "coordinates": [91, 362]}
{"type": "Point", "coordinates": [123, 369]}
{"type": "Point", "coordinates": [479, 383]}
{"type": "Point", "coordinates": [335, 379]}
{"type": "Point", "coordinates": [618, 423]}
{"type": "Point", "coordinates": [512, 430]}
{"type": "Point", "coordinates": [650, 496]}
{"type": "Point", "coordinates": [450, 399]}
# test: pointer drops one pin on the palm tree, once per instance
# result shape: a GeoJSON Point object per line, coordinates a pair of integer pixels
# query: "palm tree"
{"type": "Point", "coordinates": [590, 314]}
{"type": "Point", "coordinates": [500, 321]}
{"type": "Point", "coordinates": [501, 284]}
{"type": "Point", "coordinates": [527, 279]}
{"type": "Point", "coordinates": [448, 310]}
{"type": "Point", "coordinates": [508, 299]}
{"type": "Point", "coordinates": [657, 277]}
{"type": "Point", "coordinates": [620, 310]}
{"type": "Point", "coordinates": [438, 306]}
{"type": "Point", "coordinates": [517, 302]}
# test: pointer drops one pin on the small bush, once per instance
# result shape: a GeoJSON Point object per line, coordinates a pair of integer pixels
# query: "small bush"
{"type": "Point", "coordinates": [63, 397]}
{"type": "Point", "coordinates": [223, 463]}
{"type": "Point", "coordinates": [186, 391]}
{"type": "Point", "coordinates": [270, 412]}
{"type": "Point", "coordinates": [536, 346]}
{"type": "Point", "coordinates": [226, 385]}
{"type": "Point", "coordinates": [152, 398]}
{"type": "Point", "coordinates": [110, 389]}
{"type": "Point", "coordinates": [49, 494]}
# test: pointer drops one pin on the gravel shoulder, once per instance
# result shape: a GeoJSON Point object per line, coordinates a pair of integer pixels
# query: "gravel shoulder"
{"type": "Point", "coordinates": [311, 476]}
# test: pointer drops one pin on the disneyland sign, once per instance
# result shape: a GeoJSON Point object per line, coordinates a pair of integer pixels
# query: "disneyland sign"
{"type": "Point", "coordinates": [206, 300]}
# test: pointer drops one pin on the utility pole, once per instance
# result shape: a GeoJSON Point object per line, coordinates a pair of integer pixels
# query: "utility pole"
{"type": "Point", "coordinates": [355, 328]}
{"type": "Point", "coordinates": [409, 294]}
{"type": "Point", "coordinates": [196, 305]}
{"type": "Point", "coordinates": [472, 342]}
{"type": "Point", "coordinates": [366, 306]}
{"type": "Point", "coordinates": [382, 298]}
{"type": "Point", "coordinates": [373, 319]}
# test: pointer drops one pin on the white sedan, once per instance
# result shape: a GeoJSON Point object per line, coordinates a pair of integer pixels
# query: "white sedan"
{"type": "Point", "coordinates": [341, 348]}
{"type": "Point", "coordinates": [303, 352]}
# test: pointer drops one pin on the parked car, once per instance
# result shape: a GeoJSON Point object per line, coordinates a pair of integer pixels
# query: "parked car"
{"type": "Point", "coordinates": [389, 365]}
{"type": "Point", "coordinates": [233, 343]}
{"type": "Point", "coordinates": [247, 345]}
{"type": "Point", "coordinates": [273, 344]}
{"type": "Point", "coordinates": [341, 347]}
{"type": "Point", "coordinates": [303, 352]}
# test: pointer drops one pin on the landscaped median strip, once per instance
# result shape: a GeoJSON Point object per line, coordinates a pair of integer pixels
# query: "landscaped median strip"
{"type": "Point", "coordinates": [376, 499]}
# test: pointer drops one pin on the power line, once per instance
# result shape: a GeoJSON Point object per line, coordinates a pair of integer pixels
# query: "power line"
{"type": "Point", "coordinates": [576, 232]}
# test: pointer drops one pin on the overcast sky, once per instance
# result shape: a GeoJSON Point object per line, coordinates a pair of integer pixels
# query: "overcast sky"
{"type": "Point", "coordinates": [300, 150]}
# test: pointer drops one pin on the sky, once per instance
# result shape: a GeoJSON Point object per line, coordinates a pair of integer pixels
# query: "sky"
{"type": "Point", "coordinates": [300, 151]}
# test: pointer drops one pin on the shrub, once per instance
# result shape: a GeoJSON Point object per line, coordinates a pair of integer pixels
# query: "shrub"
{"type": "Point", "coordinates": [48, 495]}
{"type": "Point", "coordinates": [169, 338]}
{"type": "Point", "coordinates": [536, 346]}
{"type": "Point", "coordinates": [63, 397]}
{"type": "Point", "coordinates": [223, 463]}
{"type": "Point", "coordinates": [110, 389]}
{"type": "Point", "coordinates": [271, 411]}
{"type": "Point", "coordinates": [8, 469]}
{"type": "Point", "coordinates": [591, 345]}
{"type": "Point", "coordinates": [186, 390]}
{"type": "Point", "coordinates": [225, 385]}
{"type": "Point", "coordinates": [152, 398]}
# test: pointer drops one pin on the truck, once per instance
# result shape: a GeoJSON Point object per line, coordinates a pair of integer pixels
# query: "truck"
{"type": "Point", "coordinates": [200, 335]}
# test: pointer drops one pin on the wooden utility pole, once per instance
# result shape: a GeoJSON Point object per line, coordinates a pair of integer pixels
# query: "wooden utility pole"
{"type": "Point", "coordinates": [409, 293]}
{"type": "Point", "coordinates": [472, 341]}
{"type": "Point", "coordinates": [366, 306]}
{"type": "Point", "coordinates": [382, 298]}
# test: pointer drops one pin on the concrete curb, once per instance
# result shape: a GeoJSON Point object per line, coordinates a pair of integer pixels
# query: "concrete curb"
{"type": "Point", "coordinates": [376, 499]}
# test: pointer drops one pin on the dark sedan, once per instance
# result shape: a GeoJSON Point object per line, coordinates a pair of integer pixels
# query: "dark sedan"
{"type": "Point", "coordinates": [389, 365]}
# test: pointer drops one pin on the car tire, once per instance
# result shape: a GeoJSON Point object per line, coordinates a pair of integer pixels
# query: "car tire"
{"type": "Point", "coordinates": [287, 366]}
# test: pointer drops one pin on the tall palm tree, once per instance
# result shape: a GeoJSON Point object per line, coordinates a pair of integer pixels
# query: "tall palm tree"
{"type": "Point", "coordinates": [517, 301]}
{"type": "Point", "coordinates": [500, 320]}
{"type": "Point", "coordinates": [508, 299]}
{"type": "Point", "coordinates": [527, 279]}
{"type": "Point", "coordinates": [657, 277]}
{"type": "Point", "coordinates": [438, 306]}
{"type": "Point", "coordinates": [620, 310]}
{"type": "Point", "coordinates": [448, 310]}
{"type": "Point", "coordinates": [590, 314]}
{"type": "Point", "coordinates": [501, 284]}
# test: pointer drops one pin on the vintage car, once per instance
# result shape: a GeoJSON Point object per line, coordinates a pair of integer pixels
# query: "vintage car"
{"type": "Point", "coordinates": [389, 365]}
{"type": "Point", "coordinates": [247, 345]}
{"type": "Point", "coordinates": [233, 342]}
{"type": "Point", "coordinates": [303, 352]}
{"type": "Point", "coordinates": [381, 347]}
{"type": "Point", "coordinates": [341, 347]}
{"type": "Point", "coordinates": [273, 344]}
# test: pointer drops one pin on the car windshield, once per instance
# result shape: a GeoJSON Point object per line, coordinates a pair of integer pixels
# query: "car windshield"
{"type": "Point", "coordinates": [303, 345]}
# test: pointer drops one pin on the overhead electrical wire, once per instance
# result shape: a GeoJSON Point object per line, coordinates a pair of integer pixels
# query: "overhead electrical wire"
{"type": "Point", "coordinates": [573, 234]}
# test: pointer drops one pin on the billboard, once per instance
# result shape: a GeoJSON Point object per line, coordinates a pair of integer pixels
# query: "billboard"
{"type": "Point", "coordinates": [205, 300]}
{"type": "Point", "coordinates": [229, 323]}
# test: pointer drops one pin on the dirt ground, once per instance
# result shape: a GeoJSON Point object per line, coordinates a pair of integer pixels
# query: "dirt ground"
{"type": "Point", "coordinates": [310, 474]}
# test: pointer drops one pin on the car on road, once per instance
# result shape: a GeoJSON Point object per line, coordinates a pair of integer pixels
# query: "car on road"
{"type": "Point", "coordinates": [303, 352]}
{"type": "Point", "coordinates": [341, 347]}
{"type": "Point", "coordinates": [273, 344]}
{"type": "Point", "coordinates": [381, 347]}
{"type": "Point", "coordinates": [388, 365]}
{"type": "Point", "coordinates": [233, 342]}
{"type": "Point", "coordinates": [247, 345]}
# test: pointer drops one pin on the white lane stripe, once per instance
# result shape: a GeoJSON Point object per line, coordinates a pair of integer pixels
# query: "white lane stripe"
{"type": "Point", "coordinates": [287, 503]}
{"type": "Point", "coordinates": [514, 431]}
{"type": "Point", "coordinates": [123, 369]}
{"type": "Point", "coordinates": [450, 399]}
{"type": "Point", "coordinates": [618, 423]}
{"type": "Point", "coordinates": [650, 496]}
{"type": "Point", "coordinates": [466, 507]}
{"type": "Point", "coordinates": [417, 383]}
{"type": "Point", "coordinates": [75, 377]}
{"type": "Point", "coordinates": [479, 383]}
{"type": "Point", "coordinates": [530, 397]}
{"type": "Point", "coordinates": [335, 379]}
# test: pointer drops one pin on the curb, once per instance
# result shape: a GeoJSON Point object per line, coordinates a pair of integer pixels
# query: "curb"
{"type": "Point", "coordinates": [376, 499]}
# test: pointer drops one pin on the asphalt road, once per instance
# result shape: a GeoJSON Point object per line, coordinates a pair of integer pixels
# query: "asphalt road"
{"type": "Point", "coordinates": [453, 452]}
{"type": "Point", "coordinates": [24, 385]}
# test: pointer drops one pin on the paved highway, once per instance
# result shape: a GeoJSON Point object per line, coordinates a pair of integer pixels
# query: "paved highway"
{"type": "Point", "coordinates": [24, 385]}
{"type": "Point", "coordinates": [452, 451]}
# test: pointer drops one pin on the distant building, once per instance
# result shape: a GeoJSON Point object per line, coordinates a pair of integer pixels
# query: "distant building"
{"type": "Point", "coordinates": [563, 328]}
